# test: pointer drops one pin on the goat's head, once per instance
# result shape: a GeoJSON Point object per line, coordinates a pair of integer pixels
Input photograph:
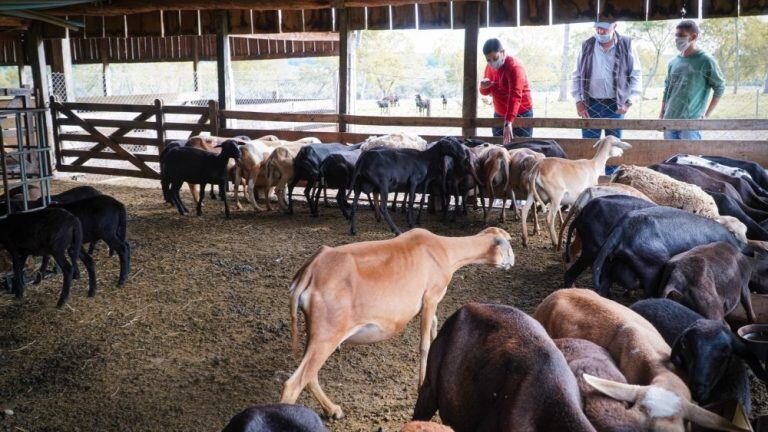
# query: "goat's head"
{"type": "Point", "coordinates": [230, 149]}
{"type": "Point", "coordinates": [663, 409]}
{"type": "Point", "coordinates": [617, 146]}
{"type": "Point", "coordinates": [501, 254]}
{"type": "Point", "coordinates": [735, 226]}
{"type": "Point", "coordinates": [703, 351]}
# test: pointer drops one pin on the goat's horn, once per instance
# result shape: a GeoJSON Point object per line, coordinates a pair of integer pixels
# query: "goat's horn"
{"type": "Point", "coordinates": [710, 420]}
{"type": "Point", "coordinates": [616, 390]}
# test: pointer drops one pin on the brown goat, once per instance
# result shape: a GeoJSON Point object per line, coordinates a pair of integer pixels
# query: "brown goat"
{"type": "Point", "coordinates": [494, 368]}
{"type": "Point", "coordinates": [419, 426]}
{"type": "Point", "coordinates": [357, 293]}
{"type": "Point", "coordinates": [710, 279]}
{"type": "Point", "coordinates": [639, 351]}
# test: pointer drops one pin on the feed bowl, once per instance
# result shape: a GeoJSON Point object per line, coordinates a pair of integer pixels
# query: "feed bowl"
{"type": "Point", "coordinates": [756, 338]}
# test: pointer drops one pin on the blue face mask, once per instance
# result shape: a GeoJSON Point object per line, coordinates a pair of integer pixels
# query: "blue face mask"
{"type": "Point", "coordinates": [604, 38]}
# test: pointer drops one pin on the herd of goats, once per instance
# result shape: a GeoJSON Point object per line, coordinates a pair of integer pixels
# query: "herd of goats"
{"type": "Point", "coordinates": [690, 232]}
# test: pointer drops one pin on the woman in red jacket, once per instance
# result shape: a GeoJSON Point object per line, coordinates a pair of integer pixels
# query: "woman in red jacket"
{"type": "Point", "coordinates": [505, 81]}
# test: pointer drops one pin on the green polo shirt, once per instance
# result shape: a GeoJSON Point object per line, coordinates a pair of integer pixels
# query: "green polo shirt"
{"type": "Point", "coordinates": [686, 89]}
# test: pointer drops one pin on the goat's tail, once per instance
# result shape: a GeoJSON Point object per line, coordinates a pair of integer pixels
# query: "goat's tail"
{"type": "Point", "coordinates": [609, 246]}
{"type": "Point", "coordinates": [299, 284]}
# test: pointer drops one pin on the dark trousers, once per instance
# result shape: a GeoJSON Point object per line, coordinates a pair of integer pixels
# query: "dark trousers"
{"type": "Point", "coordinates": [516, 131]}
{"type": "Point", "coordinates": [601, 108]}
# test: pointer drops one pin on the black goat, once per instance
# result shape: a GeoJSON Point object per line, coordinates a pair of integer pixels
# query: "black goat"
{"type": "Point", "coordinates": [594, 224]}
{"type": "Point", "coordinates": [101, 218]}
{"type": "Point", "coordinates": [336, 173]}
{"type": "Point", "coordinates": [179, 165]}
{"type": "Point", "coordinates": [76, 194]}
{"type": "Point", "coordinates": [49, 231]}
{"type": "Point", "coordinates": [549, 148]}
{"type": "Point", "coordinates": [644, 240]}
{"type": "Point", "coordinates": [386, 170]}
{"type": "Point", "coordinates": [758, 173]}
{"type": "Point", "coordinates": [276, 418]}
{"type": "Point", "coordinates": [707, 350]}
{"type": "Point", "coordinates": [306, 166]}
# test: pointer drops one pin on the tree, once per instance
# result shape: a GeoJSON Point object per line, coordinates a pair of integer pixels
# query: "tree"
{"type": "Point", "coordinates": [564, 64]}
{"type": "Point", "coordinates": [657, 37]}
{"type": "Point", "coordinates": [384, 58]}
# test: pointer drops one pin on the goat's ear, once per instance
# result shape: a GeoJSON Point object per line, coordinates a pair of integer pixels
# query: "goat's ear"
{"type": "Point", "coordinates": [598, 142]}
{"type": "Point", "coordinates": [742, 350]}
{"type": "Point", "coordinates": [616, 390]}
{"type": "Point", "coordinates": [676, 357]}
{"type": "Point", "coordinates": [708, 419]}
{"type": "Point", "coordinates": [623, 145]}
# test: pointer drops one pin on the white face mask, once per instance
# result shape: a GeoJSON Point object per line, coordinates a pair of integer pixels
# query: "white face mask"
{"type": "Point", "coordinates": [682, 43]}
{"type": "Point", "coordinates": [496, 64]}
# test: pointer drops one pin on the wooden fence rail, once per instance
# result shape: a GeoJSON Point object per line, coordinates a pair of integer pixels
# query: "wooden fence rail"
{"type": "Point", "coordinates": [210, 119]}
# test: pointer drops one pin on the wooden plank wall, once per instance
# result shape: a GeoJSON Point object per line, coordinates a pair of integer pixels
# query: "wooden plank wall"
{"type": "Point", "coordinates": [436, 15]}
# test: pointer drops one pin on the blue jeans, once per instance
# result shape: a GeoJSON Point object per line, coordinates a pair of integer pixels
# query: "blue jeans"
{"type": "Point", "coordinates": [601, 108]}
{"type": "Point", "coordinates": [516, 131]}
{"type": "Point", "coordinates": [682, 135]}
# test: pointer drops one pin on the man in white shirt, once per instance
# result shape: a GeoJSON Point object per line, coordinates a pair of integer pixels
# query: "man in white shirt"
{"type": "Point", "coordinates": [606, 78]}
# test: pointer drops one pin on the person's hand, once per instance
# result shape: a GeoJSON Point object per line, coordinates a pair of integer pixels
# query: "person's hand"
{"type": "Point", "coordinates": [622, 109]}
{"type": "Point", "coordinates": [661, 115]}
{"type": "Point", "coordinates": [485, 83]}
{"type": "Point", "coordinates": [581, 109]}
{"type": "Point", "coordinates": [507, 133]}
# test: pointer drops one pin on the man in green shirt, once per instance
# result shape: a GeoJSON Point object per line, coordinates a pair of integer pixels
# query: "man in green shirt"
{"type": "Point", "coordinates": [690, 76]}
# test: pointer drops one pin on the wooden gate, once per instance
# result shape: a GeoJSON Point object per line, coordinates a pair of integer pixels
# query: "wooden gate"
{"type": "Point", "coordinates": [137, 141]}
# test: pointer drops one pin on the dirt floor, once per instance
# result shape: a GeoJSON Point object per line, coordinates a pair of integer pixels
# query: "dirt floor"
{"type": "Point", "coordinates": [201, 330]}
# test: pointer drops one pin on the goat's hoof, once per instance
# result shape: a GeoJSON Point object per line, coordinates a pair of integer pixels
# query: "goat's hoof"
{"type": "Point", "coordinates": [336, 413]}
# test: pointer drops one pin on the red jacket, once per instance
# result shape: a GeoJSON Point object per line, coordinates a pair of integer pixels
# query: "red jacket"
{"type": "Point", "coordinates": [509, 88]}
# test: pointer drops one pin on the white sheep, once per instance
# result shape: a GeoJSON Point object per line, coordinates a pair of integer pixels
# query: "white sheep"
{"type": "Point", "coordinates": [395, 140]}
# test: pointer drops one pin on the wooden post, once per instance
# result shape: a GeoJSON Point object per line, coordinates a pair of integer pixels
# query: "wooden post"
{"type": "Point", "coordinates": [56, 131]}
{"type": "Point", "coordinates": [61, 62]}
{"type": "Point", "coordinates": [106, 73]}
{"type": "Point", "coordinates": [224, 62]}
{"type": "Point", "coordinates": [213, 117]}
{"type": "Point", "coordinates": [469, 102]}
{"type": "Point", "coordinates": [160, 125]}
{"type": "Point", "coordinates": [20, 49]}
{"type": "Point", "coordinates": [343, 96]}
{"type": "Point", "coordinates": [36, 56]}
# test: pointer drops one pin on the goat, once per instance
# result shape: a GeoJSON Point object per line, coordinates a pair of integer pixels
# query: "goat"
{"type": "Point", "coordinates": [336, 173]}
{"type": "Point", "coordinates": [335, 287]}
{"type": "Point", "coordinates": [549, 148]}
{"type": "Point", "coordinates": [278, 173]}
{"type": "Point", "coordinates": [644, 240]}
{"type": "Point", "coordinates": [711, 356]}
{"type": "Point", "coordinates": [249, 167]}
{"type": "Point", "coordinates": [196, 166]}
{"type": "Point", "coordinates": [394, 140]}
{"type": "Point", "coordinates": [276, 418]}
{"type": "Point", "coordinates": [594, 224]}
{"type": "Point", "coordinates": [713, 181]}
{"type": "Point", "coordinates": [387, 170]}
{"type": "Point", "coordinates": [751, 218]}
{"type": "Point", "coordinates": [710, 279]}
{"type": "Point", "coordinates": [588, 195]}
{"type": "Point", "coordinates": [49, 231]}
{"type": "Point", "coordinates": [101, 218]}
{"type": "Point", "coordinates": [560, 181]}
{"type": "Point", "coordinates": [495, 171]}
{"type": "Point", "coordinates": [605, 413]}
{"type": "Point", "coordinates": [640, 353]}
{"type": "Point", "coordinates": [756, 171]}
{"type": "Point", "coordinates": [494, 368]}
{"type": "Point", "coordinates": [521, 164]}
{"type": "Point", "coordinates": [212, 144]}
{"type": "Point", "coordinates": [306, 166]}
{"type": "Point", "coordinates": [76, 194]}
{"type": "Point", "coordinates": [685, 159]}
{"type": "Point", "coordinates": [666, 191]}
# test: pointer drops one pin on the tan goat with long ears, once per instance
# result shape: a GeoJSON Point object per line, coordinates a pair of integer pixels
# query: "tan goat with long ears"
{"type": "Point", "coordinates": [367, 292]}
{"type": "Point", "coordinates": [560, 181]}
{"type": "Point", "coordinates": [641, 354]}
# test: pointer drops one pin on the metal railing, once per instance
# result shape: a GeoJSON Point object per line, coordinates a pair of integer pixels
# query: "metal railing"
{"type": "Point", "coordinates": [24, 159]}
